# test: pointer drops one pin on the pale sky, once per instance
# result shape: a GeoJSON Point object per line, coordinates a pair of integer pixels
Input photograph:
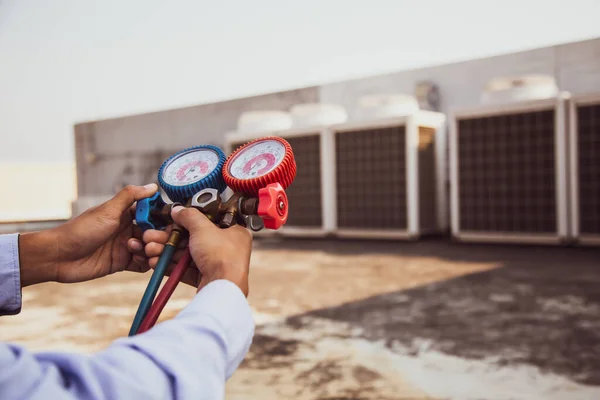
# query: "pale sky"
{"type": "Point", "coordinates": [66, 61]}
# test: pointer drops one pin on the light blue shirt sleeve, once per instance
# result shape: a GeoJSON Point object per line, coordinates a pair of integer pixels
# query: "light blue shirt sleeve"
{"type": "Point", "coordinates": [10, 277]}
{"type": "Point", "coordinates": [188, 357]}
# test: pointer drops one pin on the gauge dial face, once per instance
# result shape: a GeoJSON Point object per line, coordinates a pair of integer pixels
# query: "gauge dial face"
{"type": "Point", "coordinates": [190, 167]}
{"type": "Point", "coordinates": [258, 159]}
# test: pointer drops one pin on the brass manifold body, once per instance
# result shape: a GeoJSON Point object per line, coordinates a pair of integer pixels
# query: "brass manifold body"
{"type": "Point", "coordinates": [238, 209]}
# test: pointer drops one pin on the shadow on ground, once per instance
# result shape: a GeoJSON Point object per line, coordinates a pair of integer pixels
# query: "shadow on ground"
{"type": "Point", "coordinates": [541, 308]}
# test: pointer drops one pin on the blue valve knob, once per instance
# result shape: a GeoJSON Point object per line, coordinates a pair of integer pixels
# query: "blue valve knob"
{"type": "Point", "coordinates": [146, 208]}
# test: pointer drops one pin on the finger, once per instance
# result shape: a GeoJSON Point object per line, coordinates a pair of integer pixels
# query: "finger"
{"type": "Point", "coordinates": [132, 211]}
{"type": "Point", "coordinates": [137, 232]}
{"type": "Point", "coordinates": [130, 194]}
{"type": "Point", "coordinates": [138, 264]}
{"type": "Point", "coordinates": [152, 261]}
{"type": "Point", "coordinates": [138, 259]}
{"type": "Point", "coordinates": [152, 235]}
{"type": "Point", "coordinates": [154, 249]}
{"type": "Point", "coordinates": [191, 219]}
{"type": "Point", "coordinates": [134, 245]}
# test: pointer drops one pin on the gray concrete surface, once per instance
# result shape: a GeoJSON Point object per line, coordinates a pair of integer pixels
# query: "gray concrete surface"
{"type": "Point", "coordinates": [375, 320]}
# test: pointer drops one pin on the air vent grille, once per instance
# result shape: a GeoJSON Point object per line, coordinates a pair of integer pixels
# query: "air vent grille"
{"type": "Point", "coordinates": [506, 167]}
{"type": "Point", "coordinates": [588, 146]}
{"type": "Point", "coordinates": [371, 179]}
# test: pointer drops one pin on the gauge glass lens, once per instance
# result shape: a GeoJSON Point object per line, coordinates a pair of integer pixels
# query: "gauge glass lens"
{"type": "Point", "coordinates": [190, 167]}
{"type": "Point", "coordinates": [257, 159]}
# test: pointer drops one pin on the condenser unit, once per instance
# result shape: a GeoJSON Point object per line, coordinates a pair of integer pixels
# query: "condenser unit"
{"type": "Point", "coordinates": [311, 201]}
{"type": "Point", "coordinates": [390, 170]}
{"type": "Point", "coordinates": [584, 182]}
{"type": "Point", "coordinates": [508, 164]}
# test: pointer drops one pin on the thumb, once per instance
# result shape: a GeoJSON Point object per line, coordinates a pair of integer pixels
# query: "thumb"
{"type": "Point", "coordinates": [190, 218]}
{"type": "Point", "coordinates": [130, 194]}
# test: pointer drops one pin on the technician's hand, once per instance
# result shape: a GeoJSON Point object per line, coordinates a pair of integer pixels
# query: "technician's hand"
{"type": "Point", "coordinates": [217, 253]}
{"type": "Point", "coordinates": [101, 241]}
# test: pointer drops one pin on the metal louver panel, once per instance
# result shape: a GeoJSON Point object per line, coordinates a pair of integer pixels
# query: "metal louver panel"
{"type": "Point", "coordinates": [506, 169]}
{"type": "Point", "coordinates": [588, 147]}
{"type": "Point", "coordinates": [304, 194]}
{"type": "Point", "coordinates": [371, 178]}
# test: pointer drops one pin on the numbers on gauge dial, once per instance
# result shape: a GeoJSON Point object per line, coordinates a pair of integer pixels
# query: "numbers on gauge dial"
{"type": "Point", "coordinates": [190, 167]}
{"type": "Point", "coordinates": [257, 159]}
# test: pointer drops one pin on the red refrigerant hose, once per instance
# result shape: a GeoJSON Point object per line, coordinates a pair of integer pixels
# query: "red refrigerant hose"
{"type": "Point", "coordinates": [166, 292]}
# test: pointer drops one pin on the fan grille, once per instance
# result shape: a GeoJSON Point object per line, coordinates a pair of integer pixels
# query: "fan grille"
{"type": "Point", "coordinates": [506, 166]}
{"type": "Point", "coordinates": [371, 179]}
{"type": "Point", "coordinates": [588, 122]}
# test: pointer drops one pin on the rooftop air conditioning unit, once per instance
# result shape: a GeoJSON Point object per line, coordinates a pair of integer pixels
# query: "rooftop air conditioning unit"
{"type": "Point", "coordinates": [584, 179]}
{"type": "Point", "coordinates": [508, 164]}
{"type": "Point", "coordinates": [311, 201]}
{"type": "Point", "coordinates": [251, 122]}
{"type": "Point", "coordinates": [390, 170]}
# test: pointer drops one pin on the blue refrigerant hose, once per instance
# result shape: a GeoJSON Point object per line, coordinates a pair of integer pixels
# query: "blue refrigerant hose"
{"type": "Point", "coordinates": [153, 285]}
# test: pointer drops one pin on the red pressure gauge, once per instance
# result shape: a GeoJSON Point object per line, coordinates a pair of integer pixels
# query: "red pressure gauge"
{"type": "Point", "coordinates": [258, 163]}
{"type": "Point", "coordinates": [263, 168]}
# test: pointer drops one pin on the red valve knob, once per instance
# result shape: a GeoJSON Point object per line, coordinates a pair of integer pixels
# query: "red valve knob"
{"type": "Point", "coordinates": [273, 206]}
{"type": "Point", "coordinates": [259, 163]}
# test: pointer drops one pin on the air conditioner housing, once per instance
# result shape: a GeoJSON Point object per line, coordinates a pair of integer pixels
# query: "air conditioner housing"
{"type": "Point", "coordinates": [508, 165]}
{"type": "Point", "coordinates": [584, 173]}
{"type": "Point", "coordinates": [390, 170]}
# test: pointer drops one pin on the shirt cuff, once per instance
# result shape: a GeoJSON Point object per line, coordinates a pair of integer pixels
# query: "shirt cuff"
{"type": "Point", "coordinates": [10, 276]}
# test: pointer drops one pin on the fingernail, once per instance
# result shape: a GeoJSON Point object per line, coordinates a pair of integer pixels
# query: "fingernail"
{"type": "Point", "coordinates": [177, 209]}
{"type": "Point", "coordinates": [135, 245]}
{"type": "Point", "coordinates": [152, 186]}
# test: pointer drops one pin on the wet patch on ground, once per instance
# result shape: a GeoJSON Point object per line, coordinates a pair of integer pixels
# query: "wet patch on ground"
{"type": "Point", "coordinates": [540, 308]}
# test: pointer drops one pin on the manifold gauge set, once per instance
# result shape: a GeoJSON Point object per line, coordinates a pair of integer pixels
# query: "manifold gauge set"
{"type": "Point", "coordinates": [257, 173]}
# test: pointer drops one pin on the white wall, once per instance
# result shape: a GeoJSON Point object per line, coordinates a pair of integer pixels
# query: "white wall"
{"type": "Point", "coordinates": [576, 67]}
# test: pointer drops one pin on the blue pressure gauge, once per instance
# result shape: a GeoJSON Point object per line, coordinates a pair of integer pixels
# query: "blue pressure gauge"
{"type": "Point", "coordinates": [191, 170]}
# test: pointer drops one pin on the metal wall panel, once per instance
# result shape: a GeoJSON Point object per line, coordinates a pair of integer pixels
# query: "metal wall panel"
{"type": "Point", "coordinates": [507, 177]}
{"type": "Point", "coordinates": [371, 179]}
{"type": "Point", "coordinates": [576, 67]}
{"type": "Point", "coordinates": [428, 196]}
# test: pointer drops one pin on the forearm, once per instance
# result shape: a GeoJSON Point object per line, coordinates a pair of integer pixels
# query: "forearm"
{"type": "Point", "coordinates": [37, 257]}
{"type": "Point", "coordinates": [188, 357]}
